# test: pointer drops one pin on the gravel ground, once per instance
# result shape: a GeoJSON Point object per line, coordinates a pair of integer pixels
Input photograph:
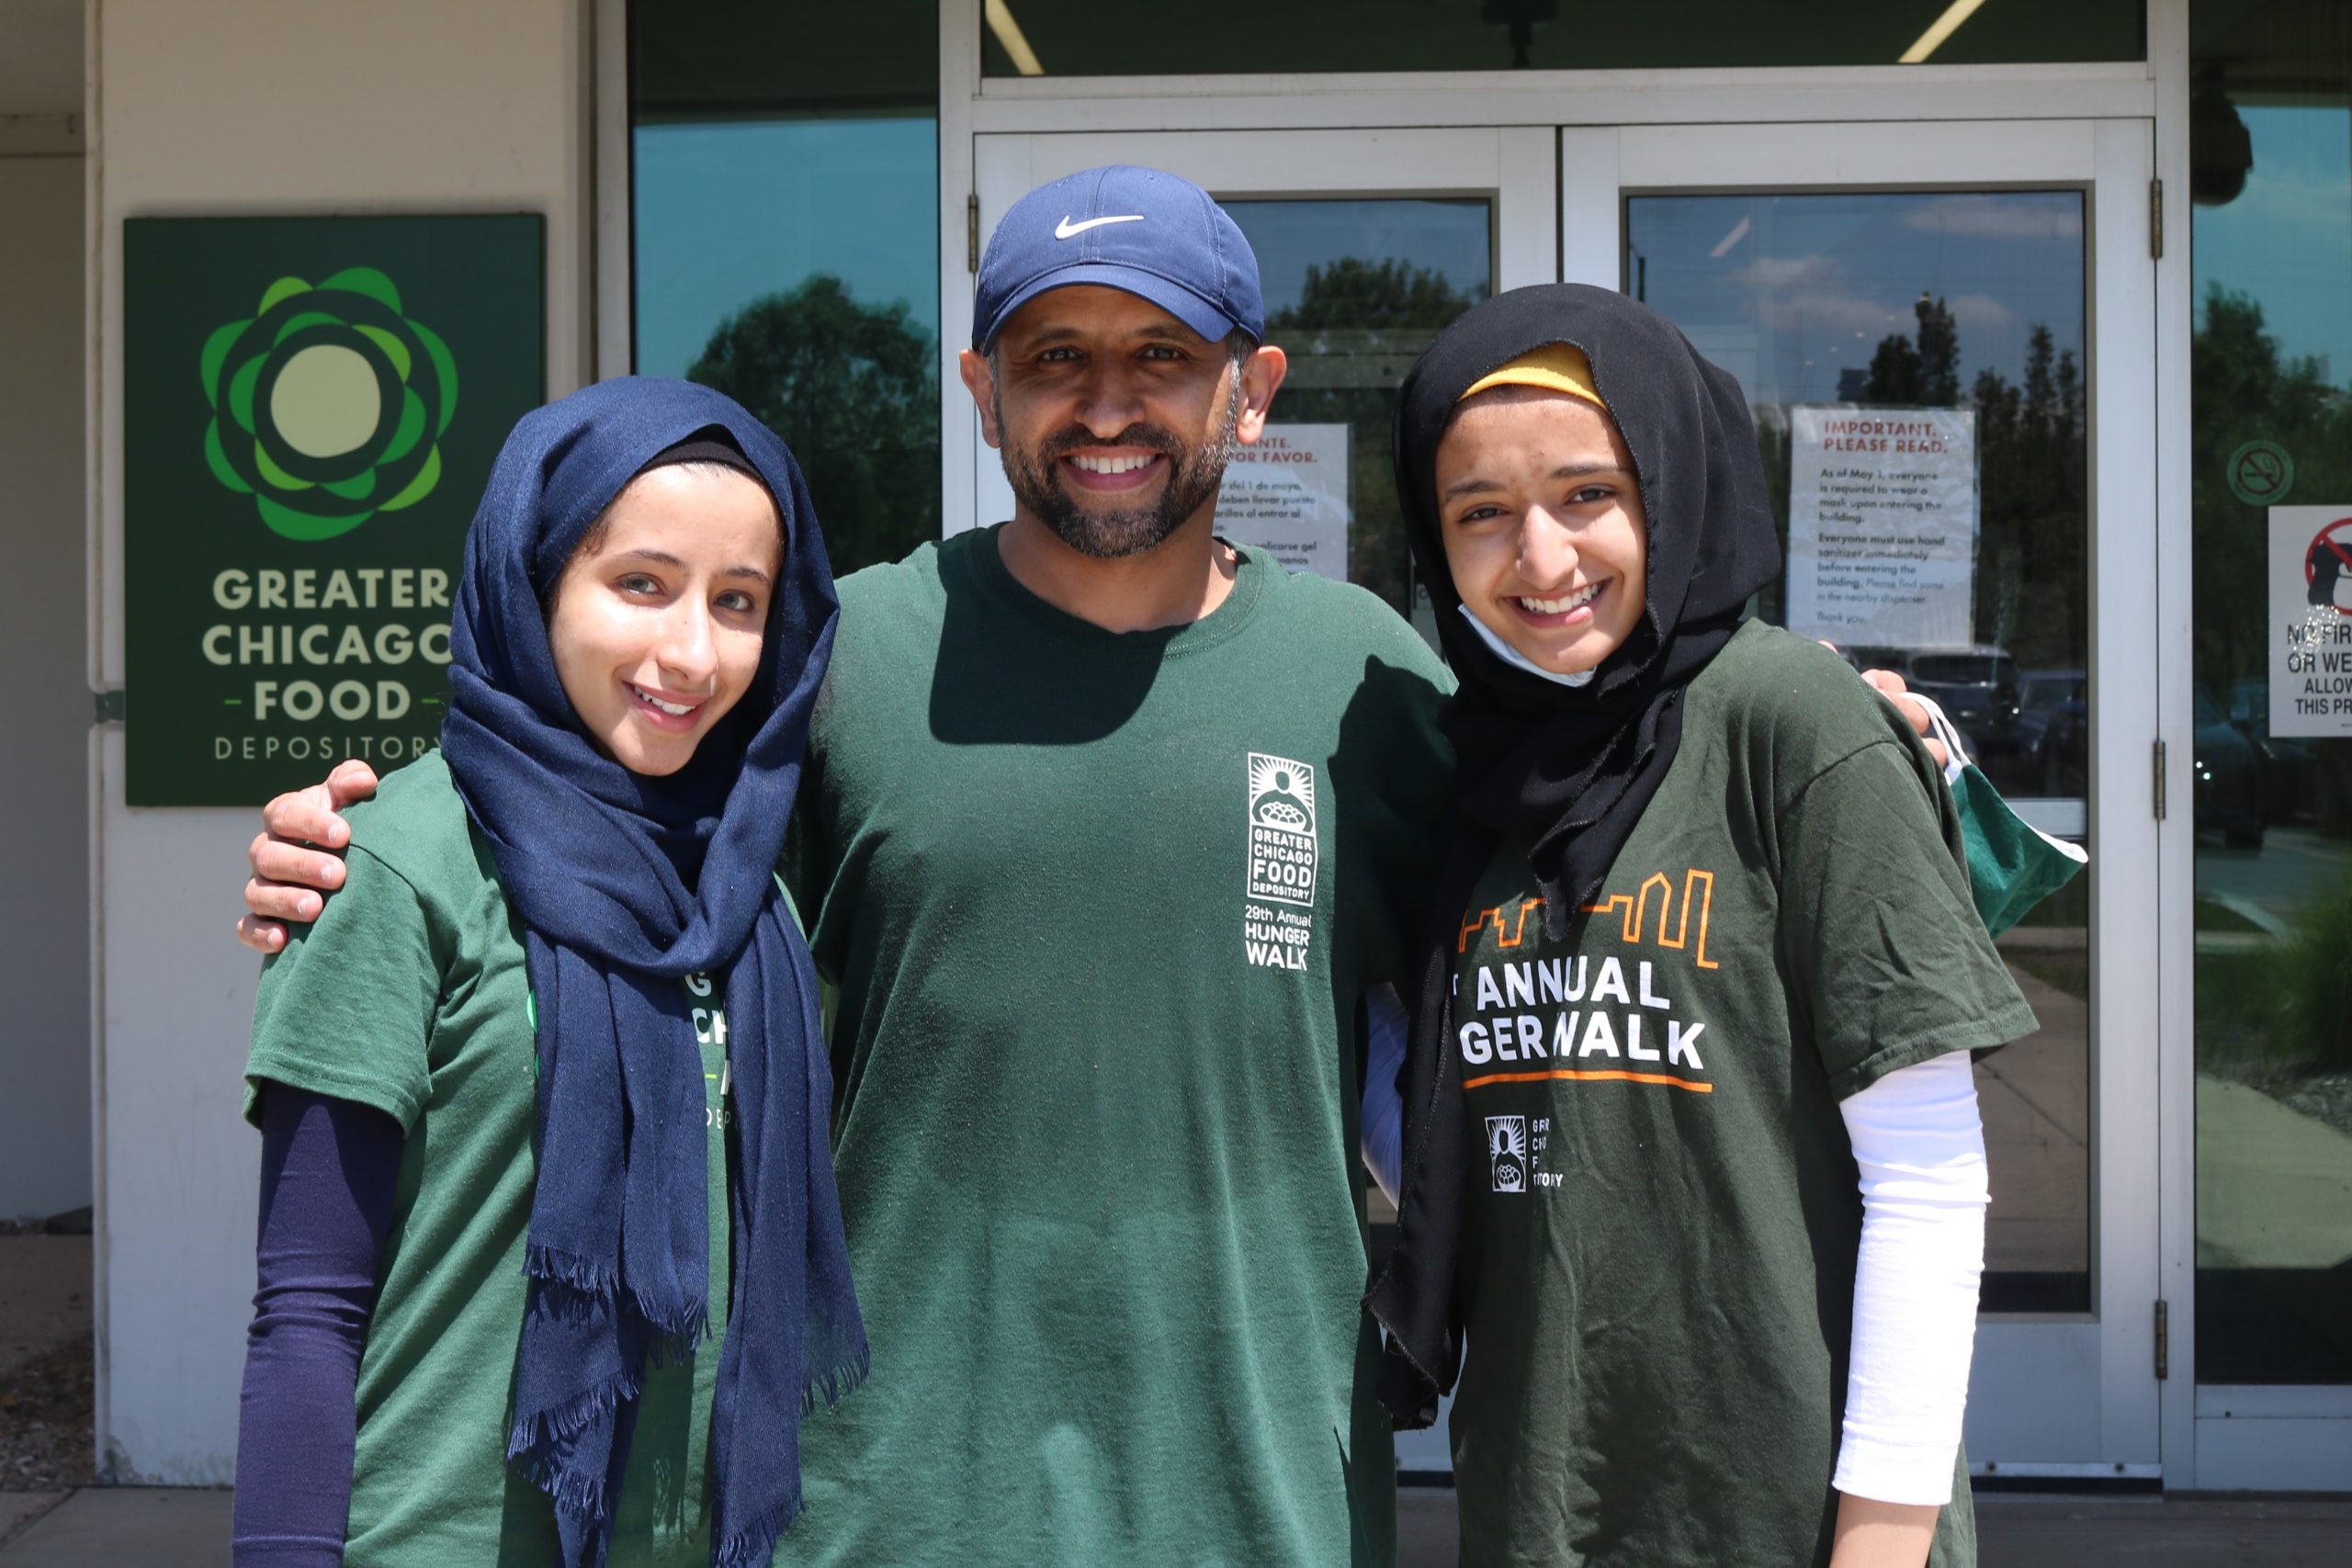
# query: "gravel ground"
{"type": "Point", "coordinates": [2323, 1097]}
{"type": "Point", "coordinates": [45, 1420]}
{"type": "Point", "coordinates": [2327, 1096]}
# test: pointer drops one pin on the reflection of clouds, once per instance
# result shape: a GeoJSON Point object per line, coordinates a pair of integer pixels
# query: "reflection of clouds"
{"type": "Point", "coordinates": [1981, 311]}
{"type": "Point", "coordinates": [2285, 241]}
{"type": "Point", "coordinates": [1783, 272]}
{"type": "Point", "coordinates": [2294, 196]}
{"type": "Point", "coordinates": [1820, 311]}
{"type": "Point", "coordinates": [1812, 293]}
{"type": "Point", "coordinates": [2006, 216]}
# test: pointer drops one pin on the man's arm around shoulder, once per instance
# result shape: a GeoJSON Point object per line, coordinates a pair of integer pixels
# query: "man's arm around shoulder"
{"type": "Point", "coordinates": [297, 857]}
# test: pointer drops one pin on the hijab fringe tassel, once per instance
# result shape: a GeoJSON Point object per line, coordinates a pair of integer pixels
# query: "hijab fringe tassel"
{"type": "Point", "coordinates": [589, 1284]}
{"type": "Point", "coordinates": [533, 1438]}
{"type": "Point", "coordinates": [753, 1547]}
{"type": "Point", "coordinates": [573, 1290]}
{"type": "Point", "coordinates": [838, 1384]}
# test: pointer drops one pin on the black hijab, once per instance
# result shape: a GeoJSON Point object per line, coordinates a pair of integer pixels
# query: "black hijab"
{"type": "Point", "coordinates": [1568, 769]}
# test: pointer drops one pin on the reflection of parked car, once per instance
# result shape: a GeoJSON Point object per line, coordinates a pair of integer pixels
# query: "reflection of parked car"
{"type": "Point", "coordinates": [2289, 768]}
{"type": "Point", "coordinates": [2229, 778]}
{"type": "Point", "coordinates": [1976, 687]}
{"type": "Point", "coordinates": [2054, 731]}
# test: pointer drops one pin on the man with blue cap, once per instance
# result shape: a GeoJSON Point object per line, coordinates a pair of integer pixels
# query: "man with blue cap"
{"type": "Point", "coordinates": [1111, 822]}
{"type": "Point", "coordinates": [1106, 826]}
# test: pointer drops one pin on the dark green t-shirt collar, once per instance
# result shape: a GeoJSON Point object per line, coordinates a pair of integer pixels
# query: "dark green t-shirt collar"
{"type": "Point", "coordinates": [975, 557]}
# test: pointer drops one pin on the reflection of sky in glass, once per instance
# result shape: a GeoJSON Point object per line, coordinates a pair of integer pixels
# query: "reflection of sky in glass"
{"type": "Point", "coordinates": [1789, 292]}
{"type": "Point", "coordinates": [2286, 240]}
{"type": "Point", "coordinates": [1447, 237]}
{"type": "Point", "coordinates": [727, 212]}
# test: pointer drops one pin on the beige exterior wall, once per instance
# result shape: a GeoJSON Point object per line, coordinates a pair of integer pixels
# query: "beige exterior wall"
{"type": "Point", "coordinates": [256, 107]}
{"type": "Point", "coordinates": [44, 903]}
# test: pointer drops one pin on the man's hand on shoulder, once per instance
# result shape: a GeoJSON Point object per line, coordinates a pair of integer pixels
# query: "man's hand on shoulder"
{"type": "Point", "coordinates": [297, 857]}
{"type": "Point", "coordinates": [1892, 687]}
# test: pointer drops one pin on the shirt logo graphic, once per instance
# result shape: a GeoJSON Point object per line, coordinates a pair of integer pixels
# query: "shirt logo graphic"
{"type": "Point", "coordinates": [1066, 230]}
{"type": "Point", "coordinates": [1278, 912]}
{"type": "Point", "coordinates": [1282, 830]}
{"type": "Point", "coordinates": [1507, 1149]}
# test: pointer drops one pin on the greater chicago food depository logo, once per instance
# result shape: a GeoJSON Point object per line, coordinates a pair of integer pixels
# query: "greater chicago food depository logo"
{"type": "Point", "coordinates": [1282, 830]}
{"type": "Point", "coordinates": [1507, 1147]}
{"type": "Point", "coordinates": [328, 404]}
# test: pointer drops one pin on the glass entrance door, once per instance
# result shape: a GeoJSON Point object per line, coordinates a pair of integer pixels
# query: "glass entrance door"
{"type": "Point", "coordinates": [2266, 568]}
{"type": "Point", "coordinates": [1946, 336]}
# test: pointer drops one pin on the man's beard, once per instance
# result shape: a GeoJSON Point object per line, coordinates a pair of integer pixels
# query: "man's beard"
{"type": "Point", "coordinates": [1107, 535]}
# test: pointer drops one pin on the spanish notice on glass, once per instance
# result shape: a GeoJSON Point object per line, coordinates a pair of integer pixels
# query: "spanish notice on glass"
{"type": "Point", "coordinates": [1287, 493]}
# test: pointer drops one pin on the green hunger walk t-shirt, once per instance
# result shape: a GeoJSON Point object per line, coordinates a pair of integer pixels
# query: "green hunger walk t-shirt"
{"type": "Point", "coordinates": [1101, 907]}
{"type": "Point", "coordinates": [409, 995]}
{"type": "Point", "coordinates": [1664, 1217]}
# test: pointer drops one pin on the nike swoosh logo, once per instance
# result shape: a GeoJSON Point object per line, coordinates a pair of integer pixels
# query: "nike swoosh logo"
{"type": "Point", "coordinates": [1066, 230]}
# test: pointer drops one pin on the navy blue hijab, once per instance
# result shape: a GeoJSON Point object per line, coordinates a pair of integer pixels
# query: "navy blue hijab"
{"type": "Point", "coordinates": [625, 884]}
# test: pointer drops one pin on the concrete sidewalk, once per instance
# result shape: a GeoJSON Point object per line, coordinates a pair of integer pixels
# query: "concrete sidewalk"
{"type": "Point", "coordinates": [133, 1527]}
{"type": "Point", "coordinates": [2044, 1532]}
{"type": "Point", "coordinates": [116, 1527]}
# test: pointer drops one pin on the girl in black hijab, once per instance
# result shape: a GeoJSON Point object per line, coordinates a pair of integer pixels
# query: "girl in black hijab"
{"type": "Point", "coordinates": [1692, 1154]}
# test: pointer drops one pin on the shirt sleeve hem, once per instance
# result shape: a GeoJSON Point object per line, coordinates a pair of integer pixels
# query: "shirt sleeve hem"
{"type": "Point", "coordinates": [1906, 1475]}
{"type": "Point", "coordinates": [2012, 1021]}
{"type": "Point", "coordinates": [316, 1078]}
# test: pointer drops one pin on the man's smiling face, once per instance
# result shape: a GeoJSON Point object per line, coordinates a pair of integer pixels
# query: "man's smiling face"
{"type": "Point", "coordinates": [1115, 419]}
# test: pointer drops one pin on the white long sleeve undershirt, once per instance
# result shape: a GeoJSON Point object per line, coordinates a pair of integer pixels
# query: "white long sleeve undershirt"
{"type": "Point", "coordinates": [1919, 1148]}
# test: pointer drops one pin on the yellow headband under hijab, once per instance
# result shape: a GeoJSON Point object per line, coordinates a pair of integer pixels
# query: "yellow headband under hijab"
{"type": "Point", "coordinates": [1556, 367]}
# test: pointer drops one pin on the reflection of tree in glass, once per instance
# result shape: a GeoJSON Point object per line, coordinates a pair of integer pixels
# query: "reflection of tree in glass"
{"type": "Point", "coordinates": [2032, 456]}
{"type": "Point", "coordinates": [1365, 296]}
{"type": "Point", "coordinates": [1356, 328]}
{"type": "Point", "coordinates": [1927, 374]}
{"type": "Point", "coordinates": [2033, 508]}
{"type": "Point", "coordinates": [851, 388]}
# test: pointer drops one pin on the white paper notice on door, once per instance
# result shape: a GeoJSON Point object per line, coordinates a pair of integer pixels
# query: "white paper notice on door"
{"type": "Point", "coordinates": [1288, 494]}
{"type": "Point", "coordinates": [2310, 620]}
{"type": "Point", "coordinates": [1882, 511]}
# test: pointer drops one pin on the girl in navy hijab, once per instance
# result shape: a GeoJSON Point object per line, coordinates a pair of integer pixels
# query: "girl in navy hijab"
{"type": "Point", "coordinates": [551, 1254]}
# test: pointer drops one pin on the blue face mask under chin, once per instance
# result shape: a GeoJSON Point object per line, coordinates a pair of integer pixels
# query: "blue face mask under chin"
{"type": "Point", "coordinates": [1517, 659]}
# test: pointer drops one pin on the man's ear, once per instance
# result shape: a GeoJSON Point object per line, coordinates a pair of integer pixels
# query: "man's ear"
{"type": "Point", "coordinates": [980, 380]}
{"type": "Point", "coordinates": [1261, 374]}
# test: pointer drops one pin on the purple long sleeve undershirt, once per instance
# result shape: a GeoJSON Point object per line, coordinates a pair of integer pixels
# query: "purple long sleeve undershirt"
{"type": "Point", "coordinates": [329, 1169]}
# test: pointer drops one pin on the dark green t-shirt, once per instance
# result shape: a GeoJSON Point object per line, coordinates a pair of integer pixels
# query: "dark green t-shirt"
{"type": "Point", "coordinates": [1100, 907]}
{"type": "Point", "coordinates": [409, 995]}
{"type": "Point", "coordinates": [1664, 1217]}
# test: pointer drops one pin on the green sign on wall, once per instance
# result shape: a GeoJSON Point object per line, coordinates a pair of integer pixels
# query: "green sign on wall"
{"type": "Point", "coordinates": [311, 408]}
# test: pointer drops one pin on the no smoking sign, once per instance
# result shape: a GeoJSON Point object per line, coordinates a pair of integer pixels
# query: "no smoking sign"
{"type": "Point", "coordinates": [2261, 473]}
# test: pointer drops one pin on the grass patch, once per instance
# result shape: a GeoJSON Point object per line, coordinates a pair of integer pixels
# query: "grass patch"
{"type": "Point", "coordinates": [2315, 979]}
{"type": "Point", "coordinates": [2209, 916]}
{"type": "Point", "coordinates": [2282, 1006]}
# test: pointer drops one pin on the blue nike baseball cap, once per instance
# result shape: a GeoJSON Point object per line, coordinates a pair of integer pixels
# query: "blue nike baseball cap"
{"type": "Point", "coordinates": [1150, 234]}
